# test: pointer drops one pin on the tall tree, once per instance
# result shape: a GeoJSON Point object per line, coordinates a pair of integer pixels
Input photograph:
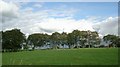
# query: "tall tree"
{"type": "Point", "coordinates": [113, 39]}
{"type": "Point", "coordinates": [74, 38]}
{"type": "Point", "coordinates": [1, 40]}
{"type": "Point", "coordinates": [83, 38]}
{"type": "Point", "coordinates": [55, 38]}
{"type": "Point", "coordinates": [70, 39]}
{"type": "Point", "coordinates": [95, 40]}
{"type": "Point", "coordinates": [12, 39]}
{"type": "Point", "coordinates": [63, 39]}
{"type": "Point", "coordinates": [37, 39]}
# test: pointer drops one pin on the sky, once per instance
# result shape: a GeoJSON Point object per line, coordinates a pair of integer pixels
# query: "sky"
{"type": "Point", "coordinates": [49, 17]}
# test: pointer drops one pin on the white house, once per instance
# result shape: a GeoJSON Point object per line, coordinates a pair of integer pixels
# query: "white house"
{"type": "Point", "coordinates": [105, 43]}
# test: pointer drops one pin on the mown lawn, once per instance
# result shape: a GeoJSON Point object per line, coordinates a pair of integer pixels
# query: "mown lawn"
{"type": "Point", "coordinates": [83, 56]}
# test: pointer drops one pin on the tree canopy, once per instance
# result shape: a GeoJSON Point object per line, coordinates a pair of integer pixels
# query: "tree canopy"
{"type": "Point", "coordinates": [115, 40]}
{"type": "Point", "coordinates": [12, 39]}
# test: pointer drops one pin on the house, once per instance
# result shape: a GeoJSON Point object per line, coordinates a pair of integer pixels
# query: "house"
{"type": "Point", "coordinates": [104, 43]}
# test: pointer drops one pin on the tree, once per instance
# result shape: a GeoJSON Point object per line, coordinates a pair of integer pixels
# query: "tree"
{"type": "Point", "coordinates": [37, 39]}
{"type": "Point", "coordinates": [89, 38]}
{"type": "Point", "coordinates": [117, 41]}
{"type": "Point", "coordinates": [1, 40]}
{"type": "Point", "coordinates": [70, 39]}
{"type": "Point", "coordinates": [83, 38]}
{"type": "Point", "coordinates": [95, 40]}
{"type": "Point", "coordinates": [63, 39]}
{"type": "Point", "coordinates": [74, 38]}
{"type": "Point", "coordinates": [12, 39]}
{"type": "Point", "coordinates": [55, 38]}
{"type": "Point", "coordinates": [113, 39]}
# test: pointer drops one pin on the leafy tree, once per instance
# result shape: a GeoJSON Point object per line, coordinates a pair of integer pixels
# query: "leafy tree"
{"type": "Point", "coordinates": [70, 39]}
{"type": "Point", "coordinates": [1, 40]}
{"type": "Point", "coordinates": [95, 40]}
{"type": "Point", "coordinates": [80, 38]}
{"type": "Point", "coordinates": [83, 38]}
{"type": "Point", "coordinates": [63, 39]}
{"type": "Point", "coordinates": [117, 41]}
{"type": "Point", "coordinates": [37, 39]}
{"type": "Point", "coordinates": [73, 38]}
{"type": "Point", "coordinates": [113, 39]}
{"type": "Point", "coordinates": [12, 39]}
{"type": "Point", "coordinates": [55, 38]}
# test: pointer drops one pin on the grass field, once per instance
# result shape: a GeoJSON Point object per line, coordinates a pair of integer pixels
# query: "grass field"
{"type": "Point", "coordinates": [83, 56]}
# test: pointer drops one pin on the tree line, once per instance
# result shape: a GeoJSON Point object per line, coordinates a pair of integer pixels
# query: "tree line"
{"type": "Point", "coordinates": [14, 40]}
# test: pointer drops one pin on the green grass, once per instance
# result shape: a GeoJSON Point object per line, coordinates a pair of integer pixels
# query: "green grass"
{"type": "Point", "coordinates": [83, 56]}
{"type": "Point", "coordinates": [0, 58]}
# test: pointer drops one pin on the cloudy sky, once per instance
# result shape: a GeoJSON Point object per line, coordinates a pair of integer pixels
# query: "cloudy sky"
{"type": "Point", "coordinates": [49, 17]}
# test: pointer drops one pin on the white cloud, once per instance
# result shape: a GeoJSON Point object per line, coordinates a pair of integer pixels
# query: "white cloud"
{"type": "Point", "coordinates": [107, 26]}
{"type": "Point", "coordinates": [8, 11]}
{"type": "Point", "coordinates": [27, 10]}
{"type": "Point", "coordinates": [39, 22]}
{"type": "Point", "coordinates": [44, 21]}
{"type": "Point", "coordinates": [38, 5]}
